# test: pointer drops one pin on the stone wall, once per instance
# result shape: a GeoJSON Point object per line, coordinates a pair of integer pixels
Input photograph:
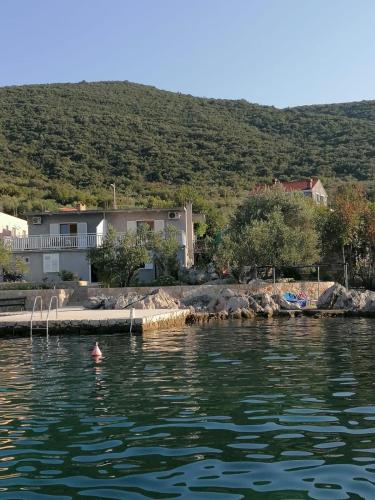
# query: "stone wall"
{"type": "Point", "coordinates": [311, 288]}
{"type": "Point", "coordinates": [62, 294]}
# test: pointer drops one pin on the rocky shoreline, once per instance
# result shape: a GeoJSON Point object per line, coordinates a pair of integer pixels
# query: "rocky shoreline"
{"type": "Point", "coordinates": [206, 305]}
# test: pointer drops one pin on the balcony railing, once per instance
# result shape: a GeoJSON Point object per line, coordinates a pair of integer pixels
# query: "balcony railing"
{"type": "Point", "coordinates": [59, 241]}
{"type": "Point", "coordinates": [53, 242]}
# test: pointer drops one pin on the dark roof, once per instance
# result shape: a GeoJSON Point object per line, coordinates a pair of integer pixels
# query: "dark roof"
{"type": "Point", "coordinates": [298, 185]}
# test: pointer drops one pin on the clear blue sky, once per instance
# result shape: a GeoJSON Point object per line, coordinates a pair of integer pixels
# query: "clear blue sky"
{"type": "Point", "coordinates": [279, 52]}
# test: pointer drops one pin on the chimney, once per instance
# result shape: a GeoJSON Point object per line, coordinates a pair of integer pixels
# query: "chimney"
{"type": "Point", "coordinates": [81, 207]}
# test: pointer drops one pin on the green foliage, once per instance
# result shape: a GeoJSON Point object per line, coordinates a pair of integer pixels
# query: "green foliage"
{"type": "Point", "coordinates": [5, 256]}
{"type": "Point", "coordinates": [22, 285]}
{"type": "Point", "coordinates": [166, 280]}
{"type": "Point", "coordinates": [66, 142]}
{"type": "Point", "coordinates": [65, 275]}
{"type": "Point", "coordinates": [164, 247]}
{"type": "Point", "coordinates": [271, 228]}
{"type": "Point", "coordinates": [12, 269]}
{"type": "Point", "coordinates": [348, 233]}
{"type": "Point", "coordinates": [118, 259]}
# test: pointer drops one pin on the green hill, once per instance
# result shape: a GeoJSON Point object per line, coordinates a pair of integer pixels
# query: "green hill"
{"type": "Point", "coordinates": [63, 142]}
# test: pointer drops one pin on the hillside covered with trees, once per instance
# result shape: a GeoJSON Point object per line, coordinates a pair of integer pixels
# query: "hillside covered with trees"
{"type": "Point", "coordinates": [65, 142]}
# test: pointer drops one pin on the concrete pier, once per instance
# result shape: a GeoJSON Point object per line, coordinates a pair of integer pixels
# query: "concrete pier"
{"type": "Point", "coordinates": [80, 320]}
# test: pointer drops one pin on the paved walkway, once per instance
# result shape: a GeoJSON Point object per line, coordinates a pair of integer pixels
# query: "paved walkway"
{"type": "Point", "coordinates": [79, 319]}
{"type": "Point", "coordinates": [79, 313]}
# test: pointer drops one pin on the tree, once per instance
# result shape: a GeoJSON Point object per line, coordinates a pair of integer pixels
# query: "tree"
{"type": "Point", "coordinates": [164, 247]}
{"type": "Point", "coordinates": [118, 259]}
{"type": "Point", "coordinates": [346, 229]}
{"type": "Point", "coordinates": [12, 269]}
{"type": "Point", "coordinates": [272, 228]}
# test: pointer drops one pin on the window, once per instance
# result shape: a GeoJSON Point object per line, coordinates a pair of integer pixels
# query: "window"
{"type": "Point", "coordinates": [51, 262]}
{"type": "Point", "coordinates": [68, 229]}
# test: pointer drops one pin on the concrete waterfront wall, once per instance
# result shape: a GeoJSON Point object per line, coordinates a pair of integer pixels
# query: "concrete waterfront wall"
{"type": "Point", "coordinates": [62, 294]}
{"type": "Point", "coordinates": [77, 295]}
{"type": "Point", "coordinates": [311, 288]}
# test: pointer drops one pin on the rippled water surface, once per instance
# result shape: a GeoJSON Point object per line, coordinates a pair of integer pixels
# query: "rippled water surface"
{"type": "Point", "coordinates": [270, 409]}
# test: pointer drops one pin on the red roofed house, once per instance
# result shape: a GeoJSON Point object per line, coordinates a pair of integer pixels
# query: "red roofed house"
{"type": "Point", "coordinates": [309, 187]}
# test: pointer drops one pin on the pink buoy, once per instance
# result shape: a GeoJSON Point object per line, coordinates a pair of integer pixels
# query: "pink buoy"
{"type": "Point", "coordinates": [96, 352]}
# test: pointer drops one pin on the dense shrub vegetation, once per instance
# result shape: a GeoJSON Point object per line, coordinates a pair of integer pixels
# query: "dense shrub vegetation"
{"type": "Point", "coordinates": [65, 142]}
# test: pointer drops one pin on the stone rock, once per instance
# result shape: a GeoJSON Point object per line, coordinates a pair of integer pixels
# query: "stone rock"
{"type": "Point", "coordinates": [247, 313]}
{"type": "Point", "coordinates": [160, 299]}
{"type": "Point", "coordinates": [197, 301]}
{"type": "Point", "coordinates": [237, 314]}
{"type": "Point", "coordinates": [369, 302]}
{"type": "Point", "coordinates": [268, 310]}
{"type": "Point", "coordinates": [123, 301]}
{"type": "Point", "coordinates": [329, 297]}
{"type": "Point", "coordinates": [202, 297]}
{"type": "Point", "coordinates": [237, 302]}
{"type": "Point", "coordinates": [94, 303]}
{"type": "Point", "coordinates": [109, 302]}
{"type": "Point", "coordinates": [157, 299]}
{"type": "Point", "coordinates": [253, 304]}
{"type": "Point", "coordinates": [219, 304]}
{"type": "Point", "coordinates": [266, 302]}
{"type": "Point", "coordinates": [226, 293]}
{"type": "Point", "coordinates": [351, 300]}
{"type": "Point", "coordinates": [338, 297]}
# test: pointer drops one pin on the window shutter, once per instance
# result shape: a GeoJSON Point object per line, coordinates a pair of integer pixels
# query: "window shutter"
{"type": "Point", "coordinates": [55, 262]}
{"type": "Point", "coordinates": [159, 226]}
{"type": "Point", "coordinates": [82, 228]}
{"type": "Point", "coordinates": [51, 263]}
{"type": "Point", "coordinates": [54, 229]}
{"type": "Point", "coordinates": [131, 225]}
{"type": "Point", "coordinates": [82, 234]}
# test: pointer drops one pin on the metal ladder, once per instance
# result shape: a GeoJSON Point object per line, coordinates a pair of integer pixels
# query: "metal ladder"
{"type": "Point", "coordinates": [36, 300]}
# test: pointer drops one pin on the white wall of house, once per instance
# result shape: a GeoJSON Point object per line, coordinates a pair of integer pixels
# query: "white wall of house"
{"type": "Point", "coordinates": [59, 241]}
{"type": "Point", "coordinates": [319, 194]}
{"type": "Point", "coordinates": [12, 226]}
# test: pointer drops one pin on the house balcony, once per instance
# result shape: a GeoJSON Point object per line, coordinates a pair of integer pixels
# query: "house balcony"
{"type": "Point", "coordinates": [43, 242]}
{"type": "Point", "coordinates": [54, 242]}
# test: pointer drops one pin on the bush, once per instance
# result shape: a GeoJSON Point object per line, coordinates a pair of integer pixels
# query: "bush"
{"type": "Point", "coordinates": [65, 275]}
{"type": "Point", "coordinates": [166, 280]}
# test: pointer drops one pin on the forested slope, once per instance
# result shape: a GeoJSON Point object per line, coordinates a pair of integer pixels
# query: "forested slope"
{"type": "Point", "coordinates": [63, 142]}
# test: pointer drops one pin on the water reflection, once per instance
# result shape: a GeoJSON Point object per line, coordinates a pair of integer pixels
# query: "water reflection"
{"type": "Point", "coordinates": [271, 409]}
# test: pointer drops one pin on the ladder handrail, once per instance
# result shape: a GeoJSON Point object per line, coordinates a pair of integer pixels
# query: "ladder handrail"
{"type": "Point", "coordinates": [49, 309]}
{"type": "Point", "coordinates": [33, 311]}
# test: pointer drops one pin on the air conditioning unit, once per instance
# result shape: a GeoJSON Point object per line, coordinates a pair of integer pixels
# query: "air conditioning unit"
{"type": "Point", "coordinates": [174, 215]}
{"type": "Point", "coordinates": [36, 220]}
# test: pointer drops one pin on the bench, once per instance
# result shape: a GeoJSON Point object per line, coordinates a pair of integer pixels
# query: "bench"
{"type": "Point", "coordinates": [13, 302]}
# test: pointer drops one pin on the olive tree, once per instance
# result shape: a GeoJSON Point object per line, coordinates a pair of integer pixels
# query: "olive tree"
{"type": "Point", "coordinates": [118, 258]}
{"type": "Point", "coordinates": [272, 228]}
{"type": "Point", "coordinates": [164, 247]}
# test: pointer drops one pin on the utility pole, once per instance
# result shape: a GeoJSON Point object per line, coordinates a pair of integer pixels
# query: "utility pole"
{"type": "Point", "coordinates": [114, 195]}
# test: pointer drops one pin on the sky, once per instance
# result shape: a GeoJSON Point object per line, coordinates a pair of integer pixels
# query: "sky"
{"type": "Point", "coordinates": [274, 52]}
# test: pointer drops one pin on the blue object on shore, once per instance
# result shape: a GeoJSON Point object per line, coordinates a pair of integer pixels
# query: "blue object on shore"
{"type": "Point", "coordinates": [293, 299]}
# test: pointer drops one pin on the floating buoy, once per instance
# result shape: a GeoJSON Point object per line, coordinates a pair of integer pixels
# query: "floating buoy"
{"type": "Point", "coordinates": [96, 352]}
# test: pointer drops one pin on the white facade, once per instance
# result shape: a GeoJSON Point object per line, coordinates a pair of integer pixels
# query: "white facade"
{"type": "Point", "coordinates": [12, 226]}
{"type": "Point", "coordinates": [58, 241]}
